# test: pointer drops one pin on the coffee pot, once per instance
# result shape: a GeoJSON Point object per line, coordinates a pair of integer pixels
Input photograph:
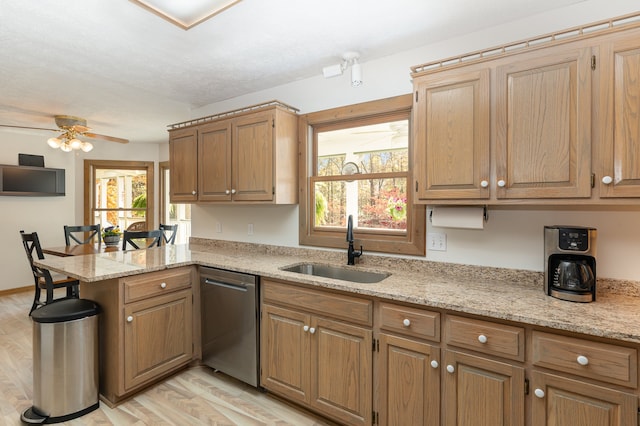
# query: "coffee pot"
{"type": "Point", "coordinates": [570, 263]}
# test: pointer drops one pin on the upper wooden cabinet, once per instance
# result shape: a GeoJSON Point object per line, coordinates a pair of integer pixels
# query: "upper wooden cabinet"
{"type": "Point", "coordinates": [550, 122]}
{"type": "Point", "coordinates": [543, 125]}
{"type": "Point", "coordinates": [244, 156]}
{"type": "Point", "coordinates": [452, 135]}
{"type": "Point", "coordinates": [618, 123]}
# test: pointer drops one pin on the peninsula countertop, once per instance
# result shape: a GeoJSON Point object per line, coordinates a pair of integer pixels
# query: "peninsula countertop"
{"type": "Point", "coordinates": [501, 294]}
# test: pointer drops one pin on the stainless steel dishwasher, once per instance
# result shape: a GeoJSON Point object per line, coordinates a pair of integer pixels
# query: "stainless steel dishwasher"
{"type": "Point", "coordinates": [230, 326]}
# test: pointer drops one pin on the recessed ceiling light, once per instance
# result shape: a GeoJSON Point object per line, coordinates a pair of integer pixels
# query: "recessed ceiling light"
{"type": "Point", "coordinates": [185, 13]}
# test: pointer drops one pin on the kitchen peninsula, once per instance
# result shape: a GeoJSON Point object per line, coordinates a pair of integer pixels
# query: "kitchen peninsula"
{"type": "Point", "coordinates": [461, 319]}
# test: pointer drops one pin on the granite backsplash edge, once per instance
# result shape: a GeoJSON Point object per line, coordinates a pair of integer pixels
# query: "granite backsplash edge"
{"type": "Point", "coordinates": [460, 271]}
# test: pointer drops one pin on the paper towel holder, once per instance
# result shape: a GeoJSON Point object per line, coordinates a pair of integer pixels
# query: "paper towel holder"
{"type": "Point", "coordinates": [485, 214]}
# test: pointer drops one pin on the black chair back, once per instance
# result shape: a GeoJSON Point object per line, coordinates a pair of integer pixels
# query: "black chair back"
{"type": "Point", "coordinates": [155, 236]}
{"type": "Point", "coordinates": [41, 276]}
{"type": "Point", "coordinates": [169, 233]}
{"type": "Point", "coordinates": [92, 230]}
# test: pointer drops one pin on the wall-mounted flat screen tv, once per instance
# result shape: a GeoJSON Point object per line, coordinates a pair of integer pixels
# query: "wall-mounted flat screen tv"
{"type": "Point", "coordinates": [31, 181]}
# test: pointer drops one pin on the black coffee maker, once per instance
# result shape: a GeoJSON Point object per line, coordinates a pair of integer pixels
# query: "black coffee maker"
{"type": "Point", "coordinates": [570, 263]}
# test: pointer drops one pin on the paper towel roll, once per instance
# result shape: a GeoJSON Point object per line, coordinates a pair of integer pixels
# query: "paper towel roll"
{"type": "Point", "coordinates": [458, 217]}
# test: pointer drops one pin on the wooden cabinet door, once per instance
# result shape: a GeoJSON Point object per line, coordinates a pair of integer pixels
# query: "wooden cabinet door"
{"type": "Point", "coordinates": [214, 161]}
{"type": "Point", "coordinates": [157, 336]}
{"type": "Point", "coordinates": [452, 132]}
{"type": "Point", "coordinates": [342, 369]}
{"type": "Point", "coordinates": [409, 382]}
{"type": "Point", "coordinates": [252, 163]}
{"type": "Point", "coordinates": [480, 391]}
{"type": "Point", "coordinates": [183, 164]}
{"type": "Point", "coordinates": [558, 401]}
{"type": "Point", "coordinates": [618, 120]}
{"type": "Point", "coordinates": [543, 125]}
{"type": "Point", "coordinates": [284, 352]}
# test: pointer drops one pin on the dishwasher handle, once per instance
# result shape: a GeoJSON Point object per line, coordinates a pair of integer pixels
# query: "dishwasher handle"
{"type": "Point", "coordinates": [238, 287]}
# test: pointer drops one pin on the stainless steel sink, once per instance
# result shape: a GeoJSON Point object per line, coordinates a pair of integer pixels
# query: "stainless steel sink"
{"type": "Point", "coordinates": [336, 272]}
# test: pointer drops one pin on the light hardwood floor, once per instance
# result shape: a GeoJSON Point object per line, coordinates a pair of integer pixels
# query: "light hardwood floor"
{"type": "Point", "coordinates": [194, 396]}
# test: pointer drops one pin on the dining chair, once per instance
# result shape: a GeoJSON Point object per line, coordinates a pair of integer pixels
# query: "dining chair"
{"type": "Point", "coordinates": [137, 226]}
{"type": "Point", "coordinates": [42, 277]}
{"type": "Point", "coordinates": [155, 236]}
{"type": "Point", "coordinates": [71, 231]}
{"type": "Point", "coordinates": [169, 233]}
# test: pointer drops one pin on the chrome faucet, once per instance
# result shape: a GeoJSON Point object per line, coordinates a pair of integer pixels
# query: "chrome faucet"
{"type": "Point", "coordinates": [351, 253]}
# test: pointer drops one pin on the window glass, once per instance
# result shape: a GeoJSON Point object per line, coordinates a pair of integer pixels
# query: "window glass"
{"type": "Point", "coordinates": [120, 197]}
{"type": "Point", "coordinates": [376, 159]}
{"type": "Point", "coordinates": [173, 214]}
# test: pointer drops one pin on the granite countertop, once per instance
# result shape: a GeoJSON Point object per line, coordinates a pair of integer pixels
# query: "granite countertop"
{"type": "Point", "coordinates": [492, 292]}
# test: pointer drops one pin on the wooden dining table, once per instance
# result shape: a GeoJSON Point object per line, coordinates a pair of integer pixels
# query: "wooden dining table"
{"type": "Point", "coordinates": [80, 249]}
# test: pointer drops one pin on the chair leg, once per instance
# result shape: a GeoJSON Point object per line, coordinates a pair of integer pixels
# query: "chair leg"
{"type": "Point", "coordinates": [36, 299]}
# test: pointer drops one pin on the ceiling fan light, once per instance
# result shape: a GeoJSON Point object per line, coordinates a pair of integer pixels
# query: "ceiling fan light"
{"type": "Point", "coordinates": [66, 147]}
{"type": "Point", "coordinates": [75, 143]}
{"type": "Point", "coordinates": [54, 142]}
{"type": "Point", "coordinates": [87, 146]}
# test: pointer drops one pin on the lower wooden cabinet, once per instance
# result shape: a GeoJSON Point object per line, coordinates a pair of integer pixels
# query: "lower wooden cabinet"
{"type": "Point", "coordinates": [157, 337]}
{"type": "Point", "coordinates": [481, 391]}
{"type": "Point", "coordinates": [409, 382]}
{"type": "Point", "coordinates": [322, 363]}
{"type": "Point", "coordinates": [146, 328]}
{"type": "Point", "coordinates": [559, 401]}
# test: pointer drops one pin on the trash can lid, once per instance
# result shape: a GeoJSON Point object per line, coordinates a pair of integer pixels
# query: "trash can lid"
{"type": "Point", "coordinates": [65, 310]}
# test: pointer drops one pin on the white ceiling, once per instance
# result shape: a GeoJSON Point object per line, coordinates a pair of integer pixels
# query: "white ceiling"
{"type": "Point", "coordinates": [127, 71]}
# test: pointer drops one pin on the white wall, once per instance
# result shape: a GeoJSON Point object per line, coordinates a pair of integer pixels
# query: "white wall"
{"type": "Point", "coordinates": [511, 238]}
{"type": "Point", "coordinates": [48, 215]}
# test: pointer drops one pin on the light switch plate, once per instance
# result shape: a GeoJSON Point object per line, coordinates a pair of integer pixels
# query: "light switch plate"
{"type": "Point", "coordinates": [436, 241]}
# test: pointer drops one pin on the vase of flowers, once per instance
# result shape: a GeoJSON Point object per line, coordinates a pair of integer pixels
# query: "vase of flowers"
{"type": "Point", "coordinates": [111, 235]}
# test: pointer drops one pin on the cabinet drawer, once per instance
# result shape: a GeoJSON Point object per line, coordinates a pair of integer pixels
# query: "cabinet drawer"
{"type": "Point", "coordinates": [600, 361]}
{"type": "Point", "coordinates": [152, 284]}
{"type": "Point", "coordinates": [348, 308]}
{"type": "Point", "coordinates": [485, 336]}
{"type": "Point", "coordinates": [410, 321]}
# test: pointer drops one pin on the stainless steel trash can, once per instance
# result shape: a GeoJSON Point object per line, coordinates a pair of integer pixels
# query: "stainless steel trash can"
{"type": "Point", "coordinates": [65, 361]}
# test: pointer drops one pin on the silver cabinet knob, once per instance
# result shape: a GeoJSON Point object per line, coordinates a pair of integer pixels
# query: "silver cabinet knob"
{"type": "Point", "coordinates": [582, 360]}
{"type": "Point", "coordinates": [233, 191]}
{"type": "Point", "coordinates": [312, 330]}
{"type": "Point", "coordinates": [539, 393]}
{"type": "Point", "coordinates": [163, 285]}
{"type": "Point", "coordinates": [193, 192]}
{"type": "Point", "coordinates": [482, 338]}
{"type": "Point", "coordinates": [434, 364]}
{"type": "Point", "coordinates": [607, 180]}
{"type": "Point", "coordinates": [501, 183]}
{"type": "Point", "coordinates": [451, 368]}
{"type": "Point", "coordinates": [227, 192]}
{"type": "Point", "coordinates": [484, 183]}
{"type": "Point", "coordinates": [406, 322]}
{"type": "Point", "coordinates": [129, 318]}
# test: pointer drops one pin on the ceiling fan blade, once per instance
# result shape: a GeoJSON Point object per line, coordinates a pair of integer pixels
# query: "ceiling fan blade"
{"type": "Point", "coordinates": [106, 138]}
{"type": "Point", "coordinates": [80, 128]}
{"type": "Point", "coordinates": [30, 128]}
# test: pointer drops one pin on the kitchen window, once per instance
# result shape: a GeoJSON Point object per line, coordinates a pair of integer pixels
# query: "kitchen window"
{"type": "Point", "coordinates": [358, 164]}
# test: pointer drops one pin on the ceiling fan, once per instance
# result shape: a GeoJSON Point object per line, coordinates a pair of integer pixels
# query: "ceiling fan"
{"type": "Point", "coordinates": [71, 129]}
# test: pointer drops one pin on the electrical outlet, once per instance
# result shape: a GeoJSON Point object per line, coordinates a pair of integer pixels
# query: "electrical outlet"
{"type": "Point", "coordinates": [436, 241]}
{"type": "Point", "coordinates": [218, 227]}
{"type": "Point", "coordinates": [250, 229]}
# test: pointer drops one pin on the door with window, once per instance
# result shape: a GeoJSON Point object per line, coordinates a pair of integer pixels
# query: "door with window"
{"type": "Point", "coordinates": [119, 194]}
